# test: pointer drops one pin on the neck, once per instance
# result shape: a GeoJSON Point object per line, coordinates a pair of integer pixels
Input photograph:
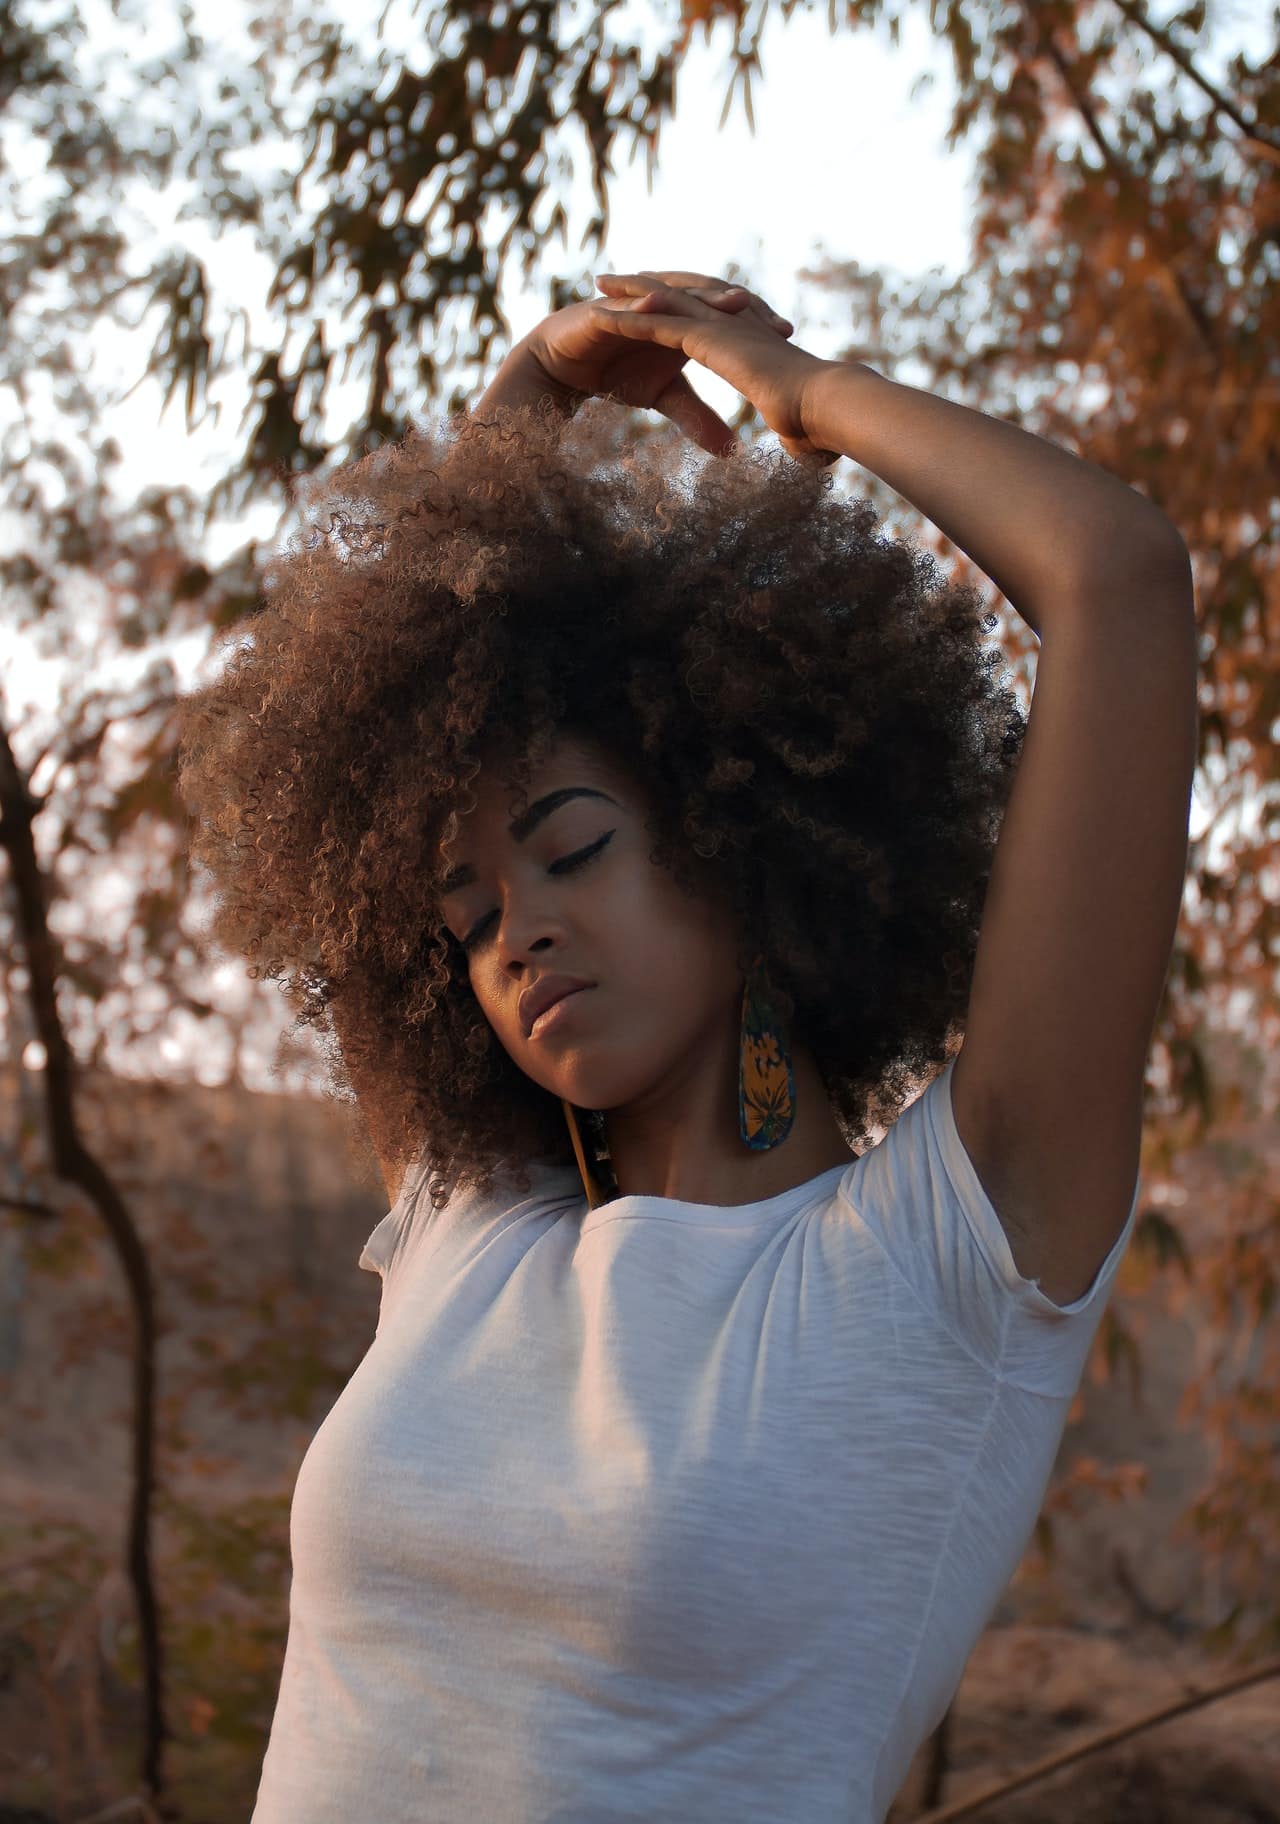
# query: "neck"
{"type": "Point", "coordinates": [683, 1142]}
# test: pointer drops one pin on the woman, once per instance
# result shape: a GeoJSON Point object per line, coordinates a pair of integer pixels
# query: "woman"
{"type": "Point", "coordinates": [633, 826]}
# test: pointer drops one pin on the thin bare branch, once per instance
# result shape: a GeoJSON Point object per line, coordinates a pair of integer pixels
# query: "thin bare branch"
{"type": "Point", "coordinates": [25, 1204]}
{"type": "Point", "coordinates": [1107, 1738]}
{"type": "Point", "coordinates": [1251, 130]}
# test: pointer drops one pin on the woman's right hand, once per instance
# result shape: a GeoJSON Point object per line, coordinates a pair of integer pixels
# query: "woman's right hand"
{"type": "Point", "coordinates": [568, 356]}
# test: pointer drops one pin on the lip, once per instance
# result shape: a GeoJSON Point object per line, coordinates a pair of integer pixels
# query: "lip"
{"type": "Point", "coordinates": [544, 994]}
{"type": "Point", "coordinates": [550, 1016]}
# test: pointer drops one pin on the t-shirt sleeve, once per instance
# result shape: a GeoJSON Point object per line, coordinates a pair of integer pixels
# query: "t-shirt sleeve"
{"type": "Point", "coordinates": [384, 1246]}
{"type": "Point", "coordinates": [415, 1230]}
{"type": "Point", "coordinates": [919, 1193]}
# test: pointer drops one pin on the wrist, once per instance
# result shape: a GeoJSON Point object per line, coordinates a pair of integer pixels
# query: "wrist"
{"type": "Point", "coordinates": [824, 401]}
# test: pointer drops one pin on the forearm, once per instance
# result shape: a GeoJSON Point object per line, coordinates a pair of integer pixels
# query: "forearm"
{"type": "Point", "coordinates": [1040, 522]}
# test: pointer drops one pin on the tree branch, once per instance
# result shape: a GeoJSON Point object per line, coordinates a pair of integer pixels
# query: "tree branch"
{"type": "Point", "coordinates": [1124, 177]}
{"type": "Point", "coordinates": [72, 1160]}
{"type": "Point", "coordinates": [1251, 129]}
{"type": "Point", "coordinates": [31, 1209]}
{"type": "Point", "coordinates": [968, 1808]}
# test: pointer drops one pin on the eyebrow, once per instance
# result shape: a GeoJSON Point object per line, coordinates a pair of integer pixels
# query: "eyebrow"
{"type": "Point", "coordinates": [521, 827]}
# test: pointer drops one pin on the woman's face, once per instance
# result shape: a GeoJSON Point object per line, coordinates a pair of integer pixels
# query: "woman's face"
{"type": "Point", "coordinates": [666, 988]}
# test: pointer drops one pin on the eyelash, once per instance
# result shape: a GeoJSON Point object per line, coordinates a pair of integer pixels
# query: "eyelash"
{"type": "Point", "coordinates": [568, 865]}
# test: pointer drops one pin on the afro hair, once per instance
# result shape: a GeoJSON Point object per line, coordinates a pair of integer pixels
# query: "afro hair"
{"type": "Point", "coordinates": [824, 733]}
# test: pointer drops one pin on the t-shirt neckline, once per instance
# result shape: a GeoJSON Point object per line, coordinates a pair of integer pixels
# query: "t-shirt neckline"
{"type": "Point", "coordinates": [642, 1207]}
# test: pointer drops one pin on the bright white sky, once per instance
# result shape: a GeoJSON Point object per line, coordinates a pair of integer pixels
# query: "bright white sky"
{"type": "Point", "coordinates": [844, 162]}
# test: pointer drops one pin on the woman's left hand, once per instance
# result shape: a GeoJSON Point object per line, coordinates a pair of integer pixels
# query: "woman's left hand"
{"type": "Point", "coordinates": [741, 348]}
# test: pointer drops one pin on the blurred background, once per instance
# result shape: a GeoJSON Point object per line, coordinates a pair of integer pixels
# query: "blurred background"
{"type": "Point", "coordinates": [239, 244]}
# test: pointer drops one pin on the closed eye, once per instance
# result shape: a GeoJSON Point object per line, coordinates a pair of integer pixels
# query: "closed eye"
{"type": "Point", "coordinates": [567, 865]}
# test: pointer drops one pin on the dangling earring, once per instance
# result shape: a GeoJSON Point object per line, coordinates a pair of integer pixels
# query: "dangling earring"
{"type": "Point", "coordinates": [766, 1081]}
{"type": "Point", "coordinates": [593, 1175]}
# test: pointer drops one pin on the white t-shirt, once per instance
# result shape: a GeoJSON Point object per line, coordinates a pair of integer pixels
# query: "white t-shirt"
{"type": "Point", "coordinates": [664, 1510]}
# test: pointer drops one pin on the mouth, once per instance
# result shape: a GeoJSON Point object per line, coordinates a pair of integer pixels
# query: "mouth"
{"type": "Point", "coordinates": [551, 1016]}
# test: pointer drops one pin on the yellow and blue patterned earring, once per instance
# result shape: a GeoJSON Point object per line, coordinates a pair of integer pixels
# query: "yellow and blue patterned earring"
{"type": "Point", "coordinates": [766, 1081]}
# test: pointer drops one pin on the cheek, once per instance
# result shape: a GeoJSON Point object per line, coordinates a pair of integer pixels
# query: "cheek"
{"type": "Point", "coordinates": [484, 975]}
{"type": "Point", "coordinates": [665, 962]}
{"type": "Point", "coordinates": [673, 952]}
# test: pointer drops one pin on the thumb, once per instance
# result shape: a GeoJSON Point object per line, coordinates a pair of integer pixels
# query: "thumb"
{"type": "Point", "coordinates": [807, 454]}
{"type": "Point", "coordinates": [695, 418]}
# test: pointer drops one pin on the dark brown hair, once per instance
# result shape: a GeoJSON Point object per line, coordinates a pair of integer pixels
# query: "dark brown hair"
{"type": "Point", "coordinates": [820, 724]}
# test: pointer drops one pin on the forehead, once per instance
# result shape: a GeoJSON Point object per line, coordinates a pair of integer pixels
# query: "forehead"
{"type": "Point", "coordinates": [571, 761]}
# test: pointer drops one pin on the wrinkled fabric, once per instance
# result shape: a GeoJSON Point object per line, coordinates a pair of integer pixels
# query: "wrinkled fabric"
{"type": "Point", "coordinates": [665, 1510]}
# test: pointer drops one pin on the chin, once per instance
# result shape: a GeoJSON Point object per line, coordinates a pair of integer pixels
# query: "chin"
{"type": "Point", "coordinates": [589, 1086]}
{"type": "Point", "coordinates": [560, 1077]}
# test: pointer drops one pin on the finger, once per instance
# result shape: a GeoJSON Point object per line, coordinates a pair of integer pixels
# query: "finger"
{"type": "Point", "coordinates": [692, 415]}
{"type": "Point", "coordinates": [684, 279]}
{"type": "Point", "coordinates": [663, 299]}
{"type": "Point", "coordinates": [809, 457]}
{"type": "Point", "coordinates": [634, 283]}
{"type": "Point", "coordinates": [656, 321]}
{"type": "Point", "coordinates": [635, 287]}
{"type": "Point", "coordinates": [688, 280]}
{"type": "Point", "coordinates": [712, 291]}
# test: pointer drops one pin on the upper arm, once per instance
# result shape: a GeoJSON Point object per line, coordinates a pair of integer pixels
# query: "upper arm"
{"type": "Point", "coordinates": [1079, 920]}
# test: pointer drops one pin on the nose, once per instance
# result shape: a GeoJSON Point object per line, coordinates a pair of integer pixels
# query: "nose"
{"type": "Point", "coordinates": [536, 950]}
{"type": "Point", "coordinates": [526, 934]}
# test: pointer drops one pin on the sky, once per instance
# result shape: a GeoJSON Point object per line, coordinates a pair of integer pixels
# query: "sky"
{"type": "Point", "coordinates": [847, 160]}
